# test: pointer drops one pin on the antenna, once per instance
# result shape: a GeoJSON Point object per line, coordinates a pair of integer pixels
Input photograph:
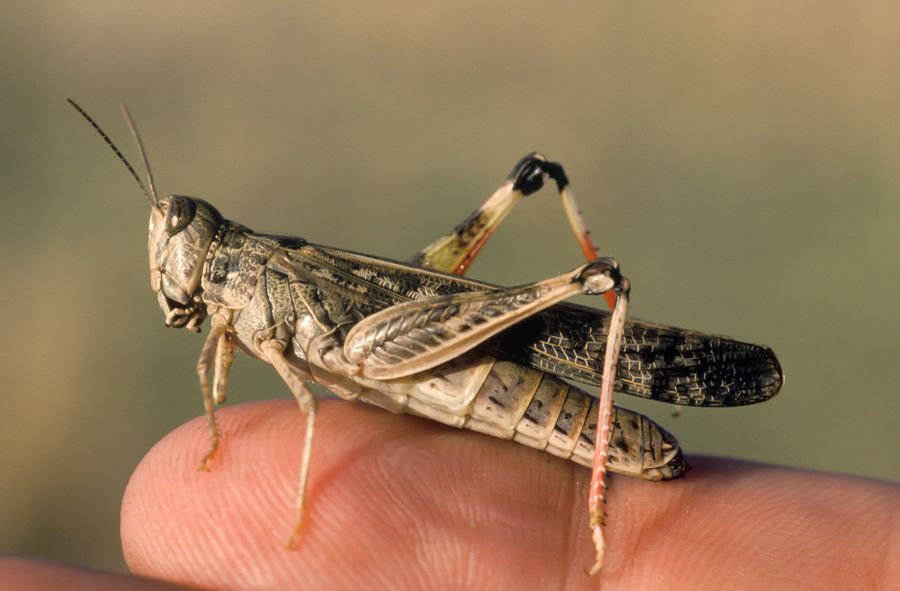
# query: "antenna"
{"type": "Point", "coordinates": [150, 195]}
{"type": "Point", "coordinates": [140, 145]}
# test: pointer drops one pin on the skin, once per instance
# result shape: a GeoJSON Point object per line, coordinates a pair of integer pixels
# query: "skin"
{"type": "Point", "coordinates": [401, 503]}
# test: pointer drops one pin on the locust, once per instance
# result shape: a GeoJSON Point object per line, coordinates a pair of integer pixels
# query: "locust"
{"type": "Point", "coordinates": [419, 338]}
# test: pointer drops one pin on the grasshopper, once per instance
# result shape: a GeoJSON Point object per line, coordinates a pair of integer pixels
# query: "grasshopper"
{"type": "Point", "coordinates": [419, 338]}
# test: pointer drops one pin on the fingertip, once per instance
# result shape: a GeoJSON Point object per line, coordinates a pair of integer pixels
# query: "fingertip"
{"type": "Point", "coordinates": [181, 522]}
{"type": "Point", "coordinates": [402, 503]}
{"type": "Point", "coordinates": [393, 501]}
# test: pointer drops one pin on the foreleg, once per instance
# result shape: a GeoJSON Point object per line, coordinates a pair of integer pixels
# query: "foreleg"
{"type": "Point", "coordinates": [218, 350]}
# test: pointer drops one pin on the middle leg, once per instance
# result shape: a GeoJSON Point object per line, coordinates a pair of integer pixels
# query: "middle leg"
{"type": "Point", "coordinates": [274, 353]}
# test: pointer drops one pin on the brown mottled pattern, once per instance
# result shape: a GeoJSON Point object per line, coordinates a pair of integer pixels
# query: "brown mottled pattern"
{"type": "Point", "coordinates": [657, 361]}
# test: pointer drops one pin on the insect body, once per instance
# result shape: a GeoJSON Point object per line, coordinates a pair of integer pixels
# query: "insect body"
{"type": "Point", "coordinates": [419, 338]}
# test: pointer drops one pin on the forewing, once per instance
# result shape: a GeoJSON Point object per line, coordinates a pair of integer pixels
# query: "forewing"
{"type": "Point", "coordinates": [657, 361]}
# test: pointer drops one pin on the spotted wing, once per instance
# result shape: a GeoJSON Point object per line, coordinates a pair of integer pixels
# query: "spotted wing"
{"type": "Point", "coordinates": [657, 361]}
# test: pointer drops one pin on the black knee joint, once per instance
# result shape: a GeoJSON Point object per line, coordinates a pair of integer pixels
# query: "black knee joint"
{"type": "Point", "coordinates": [528, 174]}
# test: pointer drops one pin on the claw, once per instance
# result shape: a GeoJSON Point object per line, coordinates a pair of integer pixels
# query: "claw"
{"type": "Point", "coordinates": [207, 459]}
{"type": "Point", "coordinates": [214, 438]}
{"type": "Point", "coordinates": [600, 547]}
{"type": "Point", "coordinates": [294, 540]}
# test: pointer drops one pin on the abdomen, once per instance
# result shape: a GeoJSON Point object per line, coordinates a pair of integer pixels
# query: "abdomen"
{"type": "Point", "coordinates": [511, 401]}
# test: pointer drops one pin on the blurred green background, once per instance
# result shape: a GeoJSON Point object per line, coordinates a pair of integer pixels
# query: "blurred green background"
{"type": "Point", "coordinates": [740, 159]}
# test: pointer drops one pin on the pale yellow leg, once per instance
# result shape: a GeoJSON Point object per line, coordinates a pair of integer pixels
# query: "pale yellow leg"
{"type": "Point", "coordinates": [307, 403]}
{"type": "Point", "coordinates": [224, 359]}
{"type": "Point", "coordinates": [212, 348]}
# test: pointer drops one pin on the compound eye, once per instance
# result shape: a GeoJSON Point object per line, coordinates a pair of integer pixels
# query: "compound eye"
{"type": "Point", "coordinates": [180, 213]}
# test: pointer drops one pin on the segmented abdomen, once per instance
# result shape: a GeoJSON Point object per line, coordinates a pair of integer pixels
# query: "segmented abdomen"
{"type": "Point", "coordinates": [509, 401]}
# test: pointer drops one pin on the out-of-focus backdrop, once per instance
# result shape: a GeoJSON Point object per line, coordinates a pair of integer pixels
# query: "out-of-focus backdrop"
{"type": "Point", "coordinates": [741, 160]}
